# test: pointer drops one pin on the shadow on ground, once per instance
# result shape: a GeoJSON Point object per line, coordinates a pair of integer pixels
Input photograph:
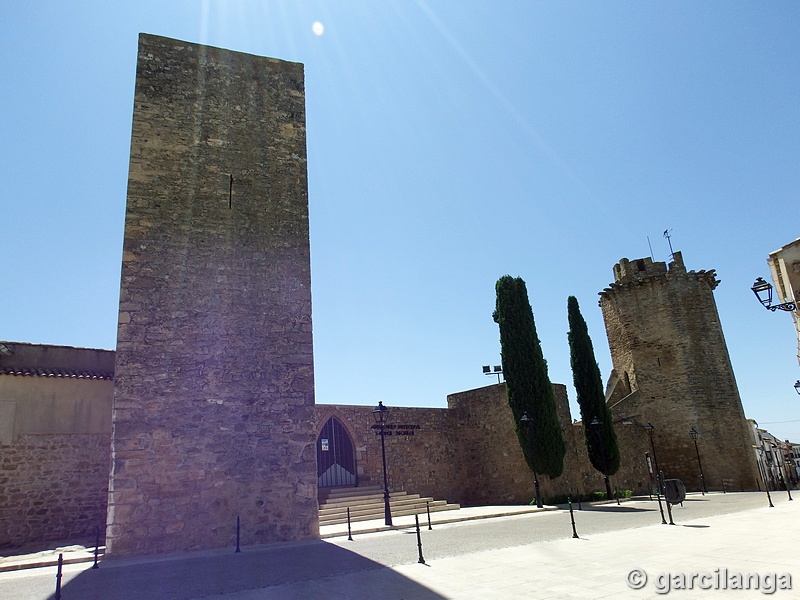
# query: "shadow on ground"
{"type": "Point", "coordinates": [312, 569]}
{"type": "Point", "coordinates": [51, 547]}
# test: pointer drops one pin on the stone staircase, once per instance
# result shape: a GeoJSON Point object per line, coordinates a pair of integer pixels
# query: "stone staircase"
{"type": "Point", "coordinates": [366, 503]}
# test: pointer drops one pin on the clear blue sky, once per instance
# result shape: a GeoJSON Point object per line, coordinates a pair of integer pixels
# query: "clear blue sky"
{"type": "Point", "coordinates": [449, 143]}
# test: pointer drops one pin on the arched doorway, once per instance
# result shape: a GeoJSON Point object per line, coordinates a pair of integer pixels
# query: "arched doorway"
{"type": "Point", "coordinates": [336, 457]}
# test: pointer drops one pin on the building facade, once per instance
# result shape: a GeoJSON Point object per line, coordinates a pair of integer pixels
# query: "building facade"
{"type": "Point", "coordinates": [784, 266]}
{"type": "Point", "coordinates": [55, 438]}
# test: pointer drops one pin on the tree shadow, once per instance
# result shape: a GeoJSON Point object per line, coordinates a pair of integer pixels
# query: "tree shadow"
{"type": "Point", "coordinates": [615, 508]}
{"type": "Point", "coordinates": [314, 568]}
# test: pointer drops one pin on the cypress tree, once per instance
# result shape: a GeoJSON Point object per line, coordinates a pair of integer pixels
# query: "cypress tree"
{"type": "Point", "coordinates": [601, 439]}
{"type": "Point", "coordinates": [528, 387]}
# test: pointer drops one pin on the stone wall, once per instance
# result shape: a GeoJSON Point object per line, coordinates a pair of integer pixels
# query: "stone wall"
{"type": "Point", "coordinates": [672, 369]}
{"type": "Point", "coordinates": [469, 453]}
{"type": "Point", "coordinates": [213, 414]}
{"type": "Point", "coordinates": [53, 487]}
{"type": "Point", "coordinates": [493, 470]}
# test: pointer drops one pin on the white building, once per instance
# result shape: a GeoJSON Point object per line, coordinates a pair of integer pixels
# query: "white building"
{"type": "Point", "coordinates": [784, 265]}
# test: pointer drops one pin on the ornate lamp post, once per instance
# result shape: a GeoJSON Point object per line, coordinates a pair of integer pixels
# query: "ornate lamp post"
{"type": "Point", "coordinates": [381, 414]}
{"type": "Point", "coordinates": [763, 291]}
{"type": "Point", "coordinates": [527, 423]}
{"type": "Point", "coordinates": [694, 433]}
{"type": "Point", "coordinates": [797, 386]}
{"type": "Point", "coordinates": [596, 423]}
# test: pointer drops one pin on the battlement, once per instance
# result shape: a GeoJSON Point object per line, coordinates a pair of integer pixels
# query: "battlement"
{"type": "Point", "coordinates": [626, 271]}
{"type": "Point", "coordinates": [629, 273]}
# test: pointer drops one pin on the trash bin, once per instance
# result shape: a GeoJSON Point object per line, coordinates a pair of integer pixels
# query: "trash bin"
{"type": "Point", "coordinates": [674, 491]}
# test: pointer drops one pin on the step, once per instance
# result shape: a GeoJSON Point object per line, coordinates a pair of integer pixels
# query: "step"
{"type": "Point", "coordinates": [366, 503]}
{"type": "Point", "coordinates": [361, 500]}
{"type": "Point", "coordinates": [378, 508]}
{"type": "Point", "coordinates": [339, 492]}
{"type": "Point", "coordinates": [330, 520]}
{"type": "Point", "coordinates": [370, 506]}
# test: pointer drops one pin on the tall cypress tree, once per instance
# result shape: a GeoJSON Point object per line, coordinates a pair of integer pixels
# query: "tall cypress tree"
{"type": "Point", "coordinates": [528, 387]}
{"type": "Point", "coordinates": [601, 439]}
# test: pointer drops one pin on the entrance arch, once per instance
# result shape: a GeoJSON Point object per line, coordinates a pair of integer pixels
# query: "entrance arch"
{"type": "Point", "coordinates": [336, 457]}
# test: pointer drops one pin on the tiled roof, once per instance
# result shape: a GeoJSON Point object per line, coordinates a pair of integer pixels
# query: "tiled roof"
{"type": "Point", "coordinates": [28, 372]}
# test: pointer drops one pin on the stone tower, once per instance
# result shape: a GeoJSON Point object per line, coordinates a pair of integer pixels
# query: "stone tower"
{"type": "Point", "coordinates": [213, 414]}
{"type": "Point", "coordinates": [671, 368]}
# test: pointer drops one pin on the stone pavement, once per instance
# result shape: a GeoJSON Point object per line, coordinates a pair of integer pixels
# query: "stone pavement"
{"type": "Point", "coordinates": [82, 553]}
{"type": "Point", "coordinates": [720, 551]}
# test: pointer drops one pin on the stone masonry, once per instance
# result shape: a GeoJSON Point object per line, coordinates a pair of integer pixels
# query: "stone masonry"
{"type": "Point", "coordinates": [53, 487]}
{"type": "Point", "coordinates": [671, 368]}
{"type": "Point", "coordinates": [213, 410]}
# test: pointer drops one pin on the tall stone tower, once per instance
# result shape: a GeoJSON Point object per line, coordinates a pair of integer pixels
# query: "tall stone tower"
{"type": "Point", "coordinates": [213, 414]}
{"type": "Point", "coordinates": [671, 369]}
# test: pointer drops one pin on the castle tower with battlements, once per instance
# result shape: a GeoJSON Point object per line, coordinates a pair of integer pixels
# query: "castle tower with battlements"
{"type": "Point", "coordinates": [671, 369]}
{"type": "Point", "coordinates": [213, 409]}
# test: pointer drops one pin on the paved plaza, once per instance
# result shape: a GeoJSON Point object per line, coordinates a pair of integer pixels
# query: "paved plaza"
{"type": "Point", "coordinates": [719, 542]}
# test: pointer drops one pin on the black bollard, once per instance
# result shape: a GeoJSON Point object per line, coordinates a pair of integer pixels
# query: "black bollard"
{"type": "Point", "coordinates": [580, 506]}
{"type": "Point", "coordinates": [572, 518]}
{"type": "Point", "coordinates": [616, 493]}
{"type": "Point", "coordinates": [419, 541]}
{"type": "Point", "coordinates": [96, 549]}
{"type": "Point", "coordinates": [428, 510]}
{"type": "Point", "coordinates": [663, 486]}
{"type": "Point", "coordinates": [58, 576]}
{"type": "Point", "coordinates": [660, 507]}
{"type": "Point", "coordinates": [237, 535]}
{"type": "Point", "coordinates": [669, 512]}
{"type": "Point", "coordinates": [349, 533]}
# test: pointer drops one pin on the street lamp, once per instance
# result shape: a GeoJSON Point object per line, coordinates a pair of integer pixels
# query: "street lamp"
{"type": "Point", "coordinates": [649, 428]}
{"type": "Point", "coordinates": [527, 423]}
{"type": "Point", "coordinates": [596, 423]}
{"type": "Point", "coordinates": [782, 470]}
{"type": "Point", "coordinates": [763, 291]}
{"type": "Point", "coordinates": [694, 433]}
{"type": "Point", "coordinates": [381, 414]}
{"type": "Point", "coordinates": [761, 454]}
{"type": "Point", "coordinates": [797, 386]}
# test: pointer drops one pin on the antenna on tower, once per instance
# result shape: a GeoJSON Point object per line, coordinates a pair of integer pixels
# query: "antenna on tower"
{"type": "Point", "coordinates": [651, 248]}
{"type": "Point", "coordinates": [666, 235]}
